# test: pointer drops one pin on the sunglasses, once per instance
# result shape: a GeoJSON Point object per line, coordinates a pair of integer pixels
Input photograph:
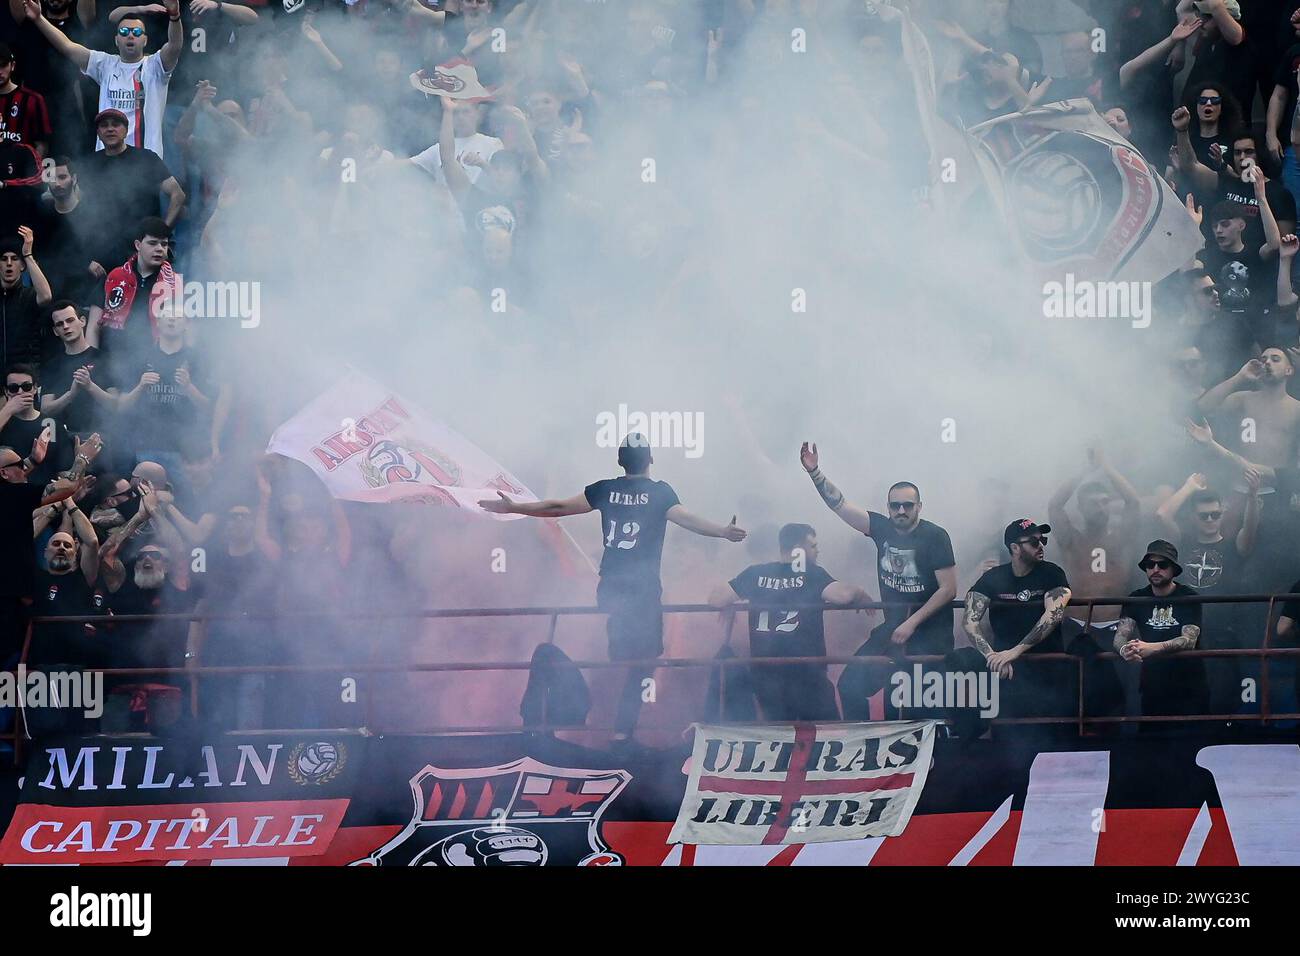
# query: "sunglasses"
{"type": "Point", "coordinates": [1162, 565]}
{"type": "Point", "coordinates": [902, 505]}
{"type": "Point", "coordinates": [1209, 515]}
{"type": "Point", "coordinates": [130, 31]}
{"type": "Point", "coordinates": [1209, 100]}
{"type": "Point", "coordinates": [13, 388]}
{"type": "Point", "coordinates": [1028, 541]}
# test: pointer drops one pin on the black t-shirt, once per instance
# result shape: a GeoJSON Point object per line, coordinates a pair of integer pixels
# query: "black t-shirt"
{"type": "Point", "coordinates": [149, 643]}
{"type": "Point", "coordinates": [245, 583]}
{"type": "Point", "coordinates": [633, 515]}
{"type": "Point", "coordinates": [1242, 278]}
{"type": "Point", "coordinates": [1226, 344]}
{"type": "Point", "coordinates": [164, 417]}
{"type": "Point", "coordinates": [81, 414]}
{"type": "Point", "coordinates": [1232, 189]}
{"type": "Point", "coordinates": [1011, 622]}
{"type": "Point", "coordinates": [1164, 622]}
{"type": "Point", "coordinates": [122, 190]}
{"type": "Point", "coordinates": [68, 643]}
{"type": "Point", "coordinates": [1211, 568]}
{"type": "Point", "coordinates": [20, 326]}
{"type": "Point", "coordinates": [18, 556]}
{"type": "Point", "coordinates": [1285, 76]}
{"type": "Point", "coordinates": [774, 630]}
{"type": "Point", "coordinates": [906, 566]}
{"type": "Point", "coordinates": [67, 243]}
{"type": "Point", "coordinates": [20, 435]}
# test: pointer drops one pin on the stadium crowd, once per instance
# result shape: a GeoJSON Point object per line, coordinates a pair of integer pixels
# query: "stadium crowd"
{"type": "Point", "coordinates": [129, 435]}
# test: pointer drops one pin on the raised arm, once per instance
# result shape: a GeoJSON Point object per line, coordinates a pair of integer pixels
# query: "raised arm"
{"type": "Point", "coordinates": [1245, 378]}
{"type": "Point", "coordinates": [1272, 235]}
{"type": "Point", "coordinates": [1232, 31]}
{"type": "Point", "coordinates": [1276, 107]}
{"type": "Point", "coordinates": [1056, 514]}
{"type": "Point", "coordinates": [851, 515]}
{"type": "Point", "coordinates": [40, 285]}
{"type": "Point", "coordinates": [453, 172]}
{"type": "Point", "coordinates": [1158, 53]}
{"type": "Point", "coordinates": [78, 54]}
{"type": "Point", "coordinates": [1202, 177]}
{"type": "Point", "coordinates": [88, 541]}
{"type": "Point", "coordinates": [702, 526]}
{"type": "Point", "coordinates": [1286, 297]}
{"type": "Point", "coordinates": [1167, 513]}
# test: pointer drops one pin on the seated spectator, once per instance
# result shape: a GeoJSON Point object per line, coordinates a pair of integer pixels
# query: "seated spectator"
{"type": "Point", "coordinates": [1148, 632]}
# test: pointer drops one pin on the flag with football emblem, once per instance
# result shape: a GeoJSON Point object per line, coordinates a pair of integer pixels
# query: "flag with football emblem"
{"type": "Point", "coordinates": [456, 78]}
{"type": "Point", "coordinates": [1079, 198]}
{"type": "Point", "coordinates": [367, 443]}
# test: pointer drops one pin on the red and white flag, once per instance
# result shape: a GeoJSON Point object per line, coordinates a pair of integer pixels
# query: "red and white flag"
{"type": "Point", "coordinates": [367, 443]}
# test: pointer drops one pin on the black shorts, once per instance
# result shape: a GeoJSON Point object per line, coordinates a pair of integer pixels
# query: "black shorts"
{"type": "Point", "coordinates": [635, 622]}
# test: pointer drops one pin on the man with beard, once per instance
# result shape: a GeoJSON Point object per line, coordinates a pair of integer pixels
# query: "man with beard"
{"type": "Point", "coordinates": [66, 227]}
{"type": "Point", "coordinates": [634, 512]}
{"type": "Point", "coordinates": [129, 80]}
{"type": "Point", "coordinates": [789, 691]}
{"type": "Point", "coordinates": [156, 585]}
{"type": "Point", "coordinates": [1003, 622]}
{"type": "Point", "coordinates": [1096, 556]}
{"type": "Point", "coordinates": [1217, 566]}
{"type": "Point", "coordinates": [18, 500]}
{"type": "Point", "coordinates": [1258, 393]}
{"type": "Point", "coordinates": [918, 579]}
{"type": "Point", "coordinates": [67, 588]}
{"type": "Point", "coordinates": [1150, 631]}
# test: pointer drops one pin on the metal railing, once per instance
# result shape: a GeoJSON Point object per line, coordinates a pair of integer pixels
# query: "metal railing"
{"type": "Point", "coordinates": [193, 674]}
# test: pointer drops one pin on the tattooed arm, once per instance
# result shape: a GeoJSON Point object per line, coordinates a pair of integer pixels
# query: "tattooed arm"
{"type": "Point", "coordinates": [1054, 604]}
{"type": "Point", "coordinates": [975, 623]}
{"type": "Point", "coordinates": [1123, 634]}
{"type": "Point", "coordinates": [851, 515]}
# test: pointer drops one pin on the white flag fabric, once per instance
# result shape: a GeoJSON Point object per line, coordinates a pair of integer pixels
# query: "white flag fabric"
{"type": "Point", "coordinates": [1079, 197]}
{"type": "Point", "coordinates": [456, 79]}
{"type": "Point", "coordinates": [781, 784]}
{"type": "Point", "coordinates": [367, 443]}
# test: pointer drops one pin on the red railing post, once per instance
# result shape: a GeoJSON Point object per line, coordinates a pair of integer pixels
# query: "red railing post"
{"type": "Point", "coordinates": [1263, 670]}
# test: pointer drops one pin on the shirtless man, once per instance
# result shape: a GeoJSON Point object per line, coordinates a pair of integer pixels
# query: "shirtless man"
{"type": "Point", "coordinates": [1256, 401]}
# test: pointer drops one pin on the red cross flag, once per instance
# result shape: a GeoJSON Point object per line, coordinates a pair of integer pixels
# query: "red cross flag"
{"type": "Point", "coordinates": [782, 784]}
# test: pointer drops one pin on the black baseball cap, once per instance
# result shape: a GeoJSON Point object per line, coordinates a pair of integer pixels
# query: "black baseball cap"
{"type": "Point", "coordinates": [1161, 548]}
{"type": "Point", "coordinates": [1021, 527]}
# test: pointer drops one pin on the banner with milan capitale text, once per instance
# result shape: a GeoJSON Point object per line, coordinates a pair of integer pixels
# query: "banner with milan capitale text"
{"type": "Point", "coordinates": [804, 783]}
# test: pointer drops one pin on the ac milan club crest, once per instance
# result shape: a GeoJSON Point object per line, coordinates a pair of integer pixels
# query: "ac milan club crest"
{"type": "Point", "coordinates": [524, 813]}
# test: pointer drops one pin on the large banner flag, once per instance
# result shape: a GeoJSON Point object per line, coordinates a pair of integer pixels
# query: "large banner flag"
{"type": "Point", "coordinates": [782, 784]}
{"type": "Point", "coordinates": [1079, 198]}
{"type": "Point", "coordinates": [367, 443]}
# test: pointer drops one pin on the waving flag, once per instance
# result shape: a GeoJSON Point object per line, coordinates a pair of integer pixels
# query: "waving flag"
{"type": "Point", "coordinates": [1079, 198]}
{"type": "Point", "coordinates": [367, 443]}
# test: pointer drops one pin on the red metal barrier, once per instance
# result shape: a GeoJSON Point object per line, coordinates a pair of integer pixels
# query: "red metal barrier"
{"type": "Point", "coordinates": [1083, 720]}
